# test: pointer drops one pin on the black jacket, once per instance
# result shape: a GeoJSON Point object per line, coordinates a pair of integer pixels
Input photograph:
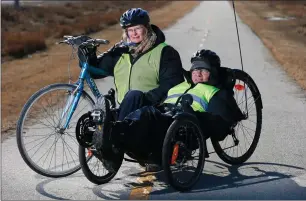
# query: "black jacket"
{"type": "Point", "coordinates": [170, 71]}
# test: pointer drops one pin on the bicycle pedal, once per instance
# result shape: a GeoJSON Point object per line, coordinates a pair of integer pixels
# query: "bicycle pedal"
{"type": "Point", "coordinates": [93, 148]}
{"type": "Point", "coordinates": [97, 116]}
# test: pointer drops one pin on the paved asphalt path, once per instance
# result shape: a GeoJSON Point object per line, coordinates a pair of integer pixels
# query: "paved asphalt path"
{"type": "Point", "coordinates": [277, 169]}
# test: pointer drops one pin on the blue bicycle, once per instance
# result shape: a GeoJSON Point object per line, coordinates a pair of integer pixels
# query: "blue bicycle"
{"type": "Point", "coordinates": [47, 124]}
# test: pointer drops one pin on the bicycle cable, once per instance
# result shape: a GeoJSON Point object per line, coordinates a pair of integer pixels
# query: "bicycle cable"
{"type": "Point", "coordinates": [69, 64]}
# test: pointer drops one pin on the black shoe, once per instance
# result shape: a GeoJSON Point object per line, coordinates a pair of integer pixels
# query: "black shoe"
{"type": "Point", "coordinates": [113, 160]}
{"type": "Point", "coordinates": [153, 168]}
{"type": "Point", "coordinates": [105, 136]}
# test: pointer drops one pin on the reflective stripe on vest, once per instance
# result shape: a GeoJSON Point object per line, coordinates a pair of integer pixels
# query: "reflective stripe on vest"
{"type": "Point", "coordinates": [143, 75]}
{"type": "Point", "coordinates": [201, 94]}
{"type": "Point", "coordinates": [201, 102]}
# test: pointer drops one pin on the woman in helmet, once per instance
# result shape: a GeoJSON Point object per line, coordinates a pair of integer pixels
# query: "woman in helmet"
{"type": "Point", "coordinates": [143, 131]}
{"type": "Point", "coordinates": [143, 65]}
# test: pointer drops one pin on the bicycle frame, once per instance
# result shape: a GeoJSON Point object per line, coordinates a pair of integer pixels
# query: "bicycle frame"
{"type": "Point", "coordinates": [75, 96]}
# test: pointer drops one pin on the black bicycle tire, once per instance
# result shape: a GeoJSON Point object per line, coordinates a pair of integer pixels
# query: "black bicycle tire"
{"type": "Point", "coordinates": [23, 113]}
{"type": "Point", "coordinates": [167, 151]}
{"type": "Point", "coordinates": [243, 76]}
{"type": "Point", "coordinates": [88, 173]}
{"type": "Point", "coordinates": [82, 158]}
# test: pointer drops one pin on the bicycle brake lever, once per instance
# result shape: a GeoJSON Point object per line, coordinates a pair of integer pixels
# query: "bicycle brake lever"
{"type": "Point", "coordinates": [63, 41]}
{"type": "Point", "coordinates": [102, 41]}
{"type": "Point", "coordinates": [67, 37]}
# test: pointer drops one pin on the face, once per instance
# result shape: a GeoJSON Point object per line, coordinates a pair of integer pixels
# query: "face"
{"type": "Point", "coordinates": [136, 33]}
{"type": "Point", "coordinates": [200, 75]}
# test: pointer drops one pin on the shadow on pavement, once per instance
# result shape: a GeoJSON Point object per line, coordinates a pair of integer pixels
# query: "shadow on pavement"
{"type": "Point", "coordinates": [227, 180]}
{"type": "Point", "coordinates": [106, 191]}
{"type": "Point", "coordinates": [247, 181]}
{"type": "Point", "coordinates": [40, 187]}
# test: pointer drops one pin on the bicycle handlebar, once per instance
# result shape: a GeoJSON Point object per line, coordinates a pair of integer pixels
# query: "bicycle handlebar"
{"type": "Point", "coordinates": [83, 41]}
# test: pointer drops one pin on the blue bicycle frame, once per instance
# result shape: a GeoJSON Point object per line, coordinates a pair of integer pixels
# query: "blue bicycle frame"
{"type": "Point", "coordinates": [74, 99]}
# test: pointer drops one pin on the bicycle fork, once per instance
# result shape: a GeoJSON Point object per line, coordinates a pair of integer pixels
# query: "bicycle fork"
{"type": "Point", "coordinates": [71, 104]}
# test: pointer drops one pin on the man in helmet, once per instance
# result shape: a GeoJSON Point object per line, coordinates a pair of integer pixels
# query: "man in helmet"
{"type": "Point", "coordinates": [143, 131]}
{"type": "Point", "coordinates": [143, 65]}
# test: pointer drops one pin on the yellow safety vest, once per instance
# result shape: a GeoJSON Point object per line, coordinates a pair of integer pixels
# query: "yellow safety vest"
{"type": "Point", "coordinates": [201, 93]}
{"type": "Point", "coordinates": [143, 75]}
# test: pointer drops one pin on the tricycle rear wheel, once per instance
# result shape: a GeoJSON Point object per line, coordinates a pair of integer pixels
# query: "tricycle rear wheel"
{"type": "Point", "coordinates": [239, 146]}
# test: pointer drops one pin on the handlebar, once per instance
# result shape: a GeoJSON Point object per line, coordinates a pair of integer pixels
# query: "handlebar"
{"type": "Point", "coordinates": [83, 41]}
{"type": "Point", "coordinates": [86, 46]}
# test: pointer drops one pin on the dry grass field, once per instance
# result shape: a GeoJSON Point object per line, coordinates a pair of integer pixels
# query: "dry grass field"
{"type": "Point", "coordinates": [33, 27]}
{"type": "Point", "coordinates": [281, 25]}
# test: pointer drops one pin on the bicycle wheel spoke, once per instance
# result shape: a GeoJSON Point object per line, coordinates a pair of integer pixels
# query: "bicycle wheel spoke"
{"type": "Point", "coordinates": [54, 152]}
{"type": "Point", "coordinates": [70, 149]}
{"type": "Point", "coordinates": [47, 126]}
{"type": "Point", "coordinates": [42, 143]}
{"type": "Point", "coordinates": [245, 136]}
{"type": "Point", "coordinates": [252, 121]}
{"type": "Point", "coordinates": [242, 102]}
{"type": "Point", "coordinates": [73, 139]}
{"type": "Point", "coordinates": [63, 157]}
{"type": "Point", "coordinates": [48, 152]}
{"type": "Point", "coordinates": [52, 110]}
{"type": "Point", "coordinates": [38, 139]}
{"type": "Point", "coordinates": [248, 128]}
{"type": "Point", "coordinates": [242, 96]}
{"type": "Point", "coordinates": [46, 111]}
{"type": "Point", "coordinates": [41, 117]}
{"type": "Point", "coordinates": [65, 153]}
{"type": "Point", "coordinates": [247, 133]}
{"type": "Point", "coordinates": [40, 128]}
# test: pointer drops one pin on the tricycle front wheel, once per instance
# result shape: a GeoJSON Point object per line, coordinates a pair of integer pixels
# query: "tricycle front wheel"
{"type": "Point", "coordinates": [183, 145]}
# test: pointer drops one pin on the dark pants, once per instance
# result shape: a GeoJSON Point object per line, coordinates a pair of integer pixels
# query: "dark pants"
{"type": "Point", "coordinates": [132, 101]}
{"type": "Point", "coordinates": [213, 126]}
{"type": "Point", "coordinates": [144, 131]}
{"type": "Point", "coordinates": [148, 127]}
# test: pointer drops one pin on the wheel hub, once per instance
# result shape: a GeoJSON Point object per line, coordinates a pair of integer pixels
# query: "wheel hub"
{"type": "Point", "coordinates": [60, 131]}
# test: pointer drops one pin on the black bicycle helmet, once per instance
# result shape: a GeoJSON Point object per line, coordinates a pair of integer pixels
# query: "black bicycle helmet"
{"type": "Point", "coordinates": [206, 59]}
{"type": "Point", "coordinates": [211, 59]}
{"type": "Point", "coordinates": [134, 16]}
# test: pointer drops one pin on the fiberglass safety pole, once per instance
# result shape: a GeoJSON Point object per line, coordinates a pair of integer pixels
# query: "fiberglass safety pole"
{"type": "Point", "coordinates": [238, 35]}
{"type": "Point", "coordinates": [246, 98]}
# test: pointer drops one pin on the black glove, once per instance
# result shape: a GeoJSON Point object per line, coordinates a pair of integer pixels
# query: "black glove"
{"type": "Point", "coordinates": [119, 48]}
{"type": "Point", "coordinates": [88, 52]}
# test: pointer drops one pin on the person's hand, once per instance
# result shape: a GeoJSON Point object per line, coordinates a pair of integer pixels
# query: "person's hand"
{"type": "Point", "coordinates": [87, 53]}
{"type": "Point", "coordinates": [120, 48]}
{"type": "Point", "coordinates": [88, 50]}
